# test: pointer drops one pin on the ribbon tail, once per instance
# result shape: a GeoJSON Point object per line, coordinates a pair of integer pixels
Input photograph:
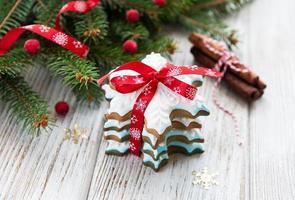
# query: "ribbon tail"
{"type": "Point", "coordinates": [137, 117]}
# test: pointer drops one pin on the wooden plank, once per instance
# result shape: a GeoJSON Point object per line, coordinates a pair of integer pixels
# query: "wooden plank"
{"type": "Point", "coordinates": [46, 167]}
{"type": "Point", "coordinates": [271, 47]}
{"type": "Point", "coordinates": [126, 177]}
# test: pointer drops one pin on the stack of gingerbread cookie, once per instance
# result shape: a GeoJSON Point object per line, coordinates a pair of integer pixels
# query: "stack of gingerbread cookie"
{"type": "Point", "coordinates": [172, 122]}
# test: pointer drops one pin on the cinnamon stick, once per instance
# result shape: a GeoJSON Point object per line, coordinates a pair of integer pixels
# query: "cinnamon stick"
{"type": "Point", "coordinates": [242, 88]}
{"type": "Point", "coordinates": [202, 42]}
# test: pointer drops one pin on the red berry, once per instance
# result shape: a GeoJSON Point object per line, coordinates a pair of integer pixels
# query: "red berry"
{"type": "Point", "coordinates": [62, 108]}
{"type": "Point", "coordinates": [32, 46]}
{"type": "Point", "coordinates": [160, 3]}
{"type": "Point", "coordinates": [132, 15]}
{"type": "Point", "coordinates": [130, 46]}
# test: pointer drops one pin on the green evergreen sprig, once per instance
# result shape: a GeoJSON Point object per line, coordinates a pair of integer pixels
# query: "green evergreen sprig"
{"type": "Point", "coordinates": [24, 103]}
{"type": "Point", "coordinates": [104, 30]}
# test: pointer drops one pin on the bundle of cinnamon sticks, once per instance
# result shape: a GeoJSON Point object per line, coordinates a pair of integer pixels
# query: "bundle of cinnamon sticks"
{"type": "Point", "coordinates": [239, 78]}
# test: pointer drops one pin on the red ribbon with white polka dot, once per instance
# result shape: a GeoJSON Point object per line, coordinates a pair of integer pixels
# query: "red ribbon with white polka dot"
{"type": "Point", "coordinates": [53, 34]}
{"type": "Point", "coordinates": [147, 81]}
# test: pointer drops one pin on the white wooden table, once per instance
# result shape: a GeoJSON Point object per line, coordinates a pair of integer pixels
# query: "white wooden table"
{"type": "Point", "coordinates": [47, 167]}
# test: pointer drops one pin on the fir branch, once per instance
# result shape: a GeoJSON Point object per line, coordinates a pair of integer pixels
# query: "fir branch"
{"type": "Point", "coordinates": [92, 27]}
{"type": "Point", "coordinates": [210, 4]}
{"type": "Point", "coordinates": [10, 13]}
{"type": "Point", "coordinates": [25, 104]}
{"type": "Point", "coordinates": [80, 74]}
{"type": "Point", "coordinates": [16, 14]}
{"type": "Point", "coordinates": [14, 62]}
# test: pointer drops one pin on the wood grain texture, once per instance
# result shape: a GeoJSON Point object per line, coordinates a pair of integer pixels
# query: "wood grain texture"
{"type": "Point", "coordinates": [47, 167]}
{"type": "Point", "coordinates": [126, 177]}
{"type": "Point", "coordinates": [271, 49]}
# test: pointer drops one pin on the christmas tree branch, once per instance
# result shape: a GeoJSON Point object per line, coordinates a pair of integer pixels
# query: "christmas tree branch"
{"type": "Point", "coordinates": [10, 13]}
{"type": "Point", "coordinates": [14, 62]}
{"type": "Point", "coordinates": [16, 14]}
{"type": "Point", "coordinates": [24, 103]}
{"type": "Point", "coordinates": [210, 4]}
{"type": "Point", "coordinates": [80, 74]}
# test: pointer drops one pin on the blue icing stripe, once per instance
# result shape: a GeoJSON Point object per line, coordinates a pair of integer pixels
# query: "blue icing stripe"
{"type": "Point", "coordinates": [112, 123]}
{"type": "Point", "coordinates": [189, 147]}
{"type": "Point", "coordinates": [156, 152]}
{"type": "Point", "coordinates": [115, 146]}
{"type": "Point", "coordinates": [147, 158]}
{"type": "Point", "coordinates": [163, 148]}
{"type": "Point", "coordinates": [119, 134]}
{"type": "Point", "coordinates": [202, 107]}
{"type": "Point", "coordinates": [193, 134]}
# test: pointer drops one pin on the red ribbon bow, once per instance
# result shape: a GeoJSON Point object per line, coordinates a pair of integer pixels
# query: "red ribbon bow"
{"type": "Point", "coordinates": [148, 79]}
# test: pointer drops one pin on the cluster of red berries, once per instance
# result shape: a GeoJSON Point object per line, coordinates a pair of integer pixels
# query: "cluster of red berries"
{"type": "Point", "coordinates": [132, 15]}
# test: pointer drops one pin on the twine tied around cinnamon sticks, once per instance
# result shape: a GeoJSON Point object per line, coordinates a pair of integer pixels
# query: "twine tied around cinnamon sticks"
{"type": "Point", "coordinates": [211, 53]}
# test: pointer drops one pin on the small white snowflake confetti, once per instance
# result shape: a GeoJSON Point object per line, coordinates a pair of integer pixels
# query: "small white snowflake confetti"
{"type": "Point", "coordinates": [141, 105]}
{"type": "Point", "coordinates": [204, 179]}
{"type": "Point", "coordinates": [75, 133]}
{"type": "Point", "coordinates": [44, 29]}
{"type": "Point", "coordinates": [135, 132]}
{"type": "Point", "coordinates": [80, 6]}
{"type": "Point", "coordinates": [60, 38]}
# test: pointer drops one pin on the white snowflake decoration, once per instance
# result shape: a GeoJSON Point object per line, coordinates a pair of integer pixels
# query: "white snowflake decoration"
{"type": "Point", "coordinates": [138, 79]}
{"type": "Point", "coordinates": [44, 29]}
{"type": "Point", "coordinates": [177, 90]}
{"type": "Point", "coordinates": [141, 105]}
{"type": "Point", "coordinates": [147, 90]}
{"type": "Point", "coordinates": [210, 73]}
{"type": "Point", "coordinates": [168, 80]}
{"type": "Point", "coordinates": [80, 6]}
{"type": "Point", "coordinates": [60, 38]}
{"type": "Point", "coordinates": [174, 71]}
{"type": "Point", "coordinates": [77, 44]}
{"type": "Point", "coordinates": [190, 92]}
{"type": "Point", "coordinates": [204, 179]}
{"type": "Point", "coordinates": [132, 146]}
{"type": "Point", "coordinates": [133, 119]}
{"type": "Point", "coordinates": [135, 133]}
